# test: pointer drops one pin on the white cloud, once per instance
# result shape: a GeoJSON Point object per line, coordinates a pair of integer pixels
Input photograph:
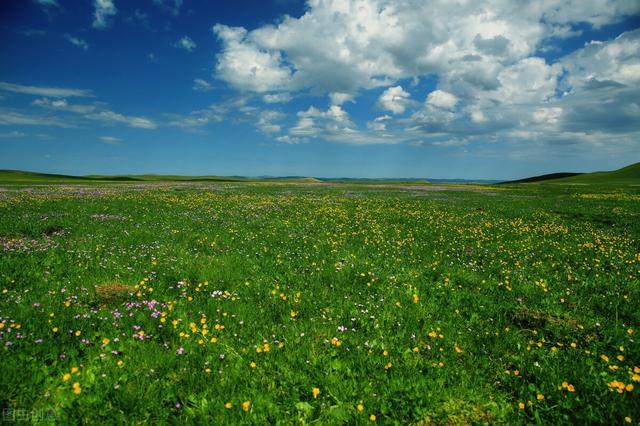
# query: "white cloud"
{"type": "Point", "coordinates": [343, 46]}
{"type": "Point", "coordinates": [110, 140]}
{"type": "Point", "coordinates": [247, 67]}
{"type": "Point", "coordinates": [395, 99]}
{"type": "Point", "coordinates": [103, 11]}
{"type": "Point", "coordinates": [12, 135]}
{"type": "Point", "coordinates": [54, 92]}
{"type": "Point", "coordinates": [201, 85]}
{"type": "Point", "coordinates": [10, 117]}
{"type": "Point", "coordinates": [186, 43]}
{"type": "Point", "coordinates": [338, 98]}
{"type": "Point", "coordinates": [63, 105]}
{"type": "Point", "coordinates": [442, 99]}
{"type": "Point", "coordinates": [617, 60]}
{"type": "Point", "coordinates": [276, 98]}
{"type": "Point", "coordinates": [110, 117]}
{"type": "Point", "coordinates": [77, 42]}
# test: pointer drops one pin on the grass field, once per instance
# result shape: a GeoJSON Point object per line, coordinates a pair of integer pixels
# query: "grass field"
{"type": "Point", "coordinates": [231, 303]}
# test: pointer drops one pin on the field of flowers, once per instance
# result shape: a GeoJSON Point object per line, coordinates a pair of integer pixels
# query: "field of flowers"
{"type": "Point", "coordinates": [255, 303]}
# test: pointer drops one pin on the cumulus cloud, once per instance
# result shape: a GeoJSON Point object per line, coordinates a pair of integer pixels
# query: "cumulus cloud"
{"type": "Point", "coordinates": [343, 46]}
{"type": "Point", "coordinates": [103, 11]}
{"type": "Point", "coordinates": [395, 99]}
{"type": "Point", "coordinates": [247, 67]}
{"type": "Point", "coordinates": [442, 99]}
{"type": "Point", "coordinates": [186, 43]}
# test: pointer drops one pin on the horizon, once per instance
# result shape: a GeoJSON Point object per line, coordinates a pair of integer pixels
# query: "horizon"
{"type": "Point", "coordinates": [336, 89]}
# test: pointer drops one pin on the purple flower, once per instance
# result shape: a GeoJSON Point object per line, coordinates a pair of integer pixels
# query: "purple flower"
{"type": "Point", "coordinates": [180, 350]}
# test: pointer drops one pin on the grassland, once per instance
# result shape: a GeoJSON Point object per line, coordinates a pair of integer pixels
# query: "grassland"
{"type": "Point", "coordinates": [254, 303]}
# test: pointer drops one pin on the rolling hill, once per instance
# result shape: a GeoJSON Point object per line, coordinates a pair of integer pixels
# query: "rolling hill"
{"type": "Point", "coordinates": [629, 175]}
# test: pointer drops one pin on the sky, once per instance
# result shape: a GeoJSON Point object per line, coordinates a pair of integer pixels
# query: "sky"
{"type": "Point", "coordinates": [455, 89]}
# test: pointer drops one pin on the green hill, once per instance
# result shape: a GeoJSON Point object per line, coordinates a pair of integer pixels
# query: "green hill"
{"type": "Point", "coordinates": [629, 175]}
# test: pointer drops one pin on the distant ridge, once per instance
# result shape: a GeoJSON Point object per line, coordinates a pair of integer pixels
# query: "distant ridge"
{"type": "Point", "coordinates": [541, 178]}
{"type": "Point", "coordinates": [629, 175]}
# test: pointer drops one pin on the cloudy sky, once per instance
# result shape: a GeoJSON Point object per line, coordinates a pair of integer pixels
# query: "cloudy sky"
{"type": "Point", "coordinates": [365, 88]}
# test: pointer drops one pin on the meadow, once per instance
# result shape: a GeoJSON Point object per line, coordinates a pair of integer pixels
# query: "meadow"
{"type": "Point", "coordinates": [285, 303]}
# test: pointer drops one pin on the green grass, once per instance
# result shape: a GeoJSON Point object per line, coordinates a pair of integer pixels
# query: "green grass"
{"type": "Point", "coordinates": [164, 302]}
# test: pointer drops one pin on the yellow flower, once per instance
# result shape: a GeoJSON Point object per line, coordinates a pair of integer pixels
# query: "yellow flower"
{"type": "Point", "coordinates": [76, 388]}
{"type": "Point", "coordinates": [74, 370]}
{"type": "Point", "coordinates": [66, 377]}
{"type": "Point", "coordinates": [570, 388]}
{"type": "Point", "coordinates": [629, 387]}
{"type": "Point", "coordinates": [521, 405]}
{"type": "Point", "coordinates": [539, 397]}
{"type": "Point", "coordinates": [416, 350]}
{"type": "Point", "coordinates": [372, 418]}
{"type": "Point", "coordinates": [120, 363]}
{"type": "Point", "coordinates": [78, 332]}
{"type": "Point", "coordinates": [388, 366]}
{"type": "Point", "coordinates": [228, 405]}
{"type": "Point", "coordinates": [360, 407]}
{"type": "Point", "coordinates": [252, 365]}
{"type": "Point", "coordinates": [315, 392]}
{"type": "Point", "coordinates": [105, 341]}
{"type": "Point", "coordinates": [54, 329]}
{"type": "Point", "coordinates": [246, 405]}
{"type": "Point", "coordinates": [620, 358]}
{"type": "Point", "coordinates": [604, 358]}
{"type": "Point", "coordinates": [627, 419]}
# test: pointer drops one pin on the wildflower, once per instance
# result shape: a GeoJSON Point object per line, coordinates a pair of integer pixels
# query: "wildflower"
{"type": "Point", "coordinates": [252, 365]}
{"type": "Point", "coordinates": [360, 407]}
{"type": "Point", "coordinates": [180, 350]}
{"type": "Point", "coordinates": [388, 366]}
{"type": "Point", "coordinates": [78, 332]}
{"type": "Point", "coordinates": [372, 418]}
{"type": "Point", "coordinates": [540, 397]}
{"type": "Point", "coordinates": [315, 392]}
{"type": "Point", "coordinates": [76, 388]}
{"type": "Point", "coordinates": [521, 405]}
{"type": "Point", "coordinates": [105, 341]}
{"type": "Point", "coordinates": [416, 350]}
{"type": "Point", "coordinates": [74, 370]}
{"type": "Point", "coordinates": [627, 419]}
{"type": "Point", "coordinates": [246, 405]}
{"type": "Point", "coordinates": [228, 405]}
{"type": "Point", "coordinates": [54, 329]}
{"type": "Point", "coordinates": [66, 377]}
{"type": "Point", "coordinates": [120, 363]}
{"type": "Point", "coordinates": [604, 358]}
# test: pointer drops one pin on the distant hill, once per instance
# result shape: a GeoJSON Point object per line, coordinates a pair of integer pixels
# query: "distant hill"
{"type": "Point", "coordinates": [541, 178]}
{"type": "Point", "coordinates": [629, 175]}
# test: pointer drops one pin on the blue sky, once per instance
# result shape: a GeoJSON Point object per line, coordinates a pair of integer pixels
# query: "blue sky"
{"type": "Point", "coordinates": [329, 88]}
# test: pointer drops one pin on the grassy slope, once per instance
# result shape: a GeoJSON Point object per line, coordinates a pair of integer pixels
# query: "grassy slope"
{"type": "Point", "coordinates": [627, 176]}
